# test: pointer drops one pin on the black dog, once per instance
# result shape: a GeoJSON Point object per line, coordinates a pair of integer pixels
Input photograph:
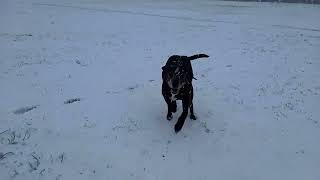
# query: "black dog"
{"type": "Point", "coordinates": [177, 78]}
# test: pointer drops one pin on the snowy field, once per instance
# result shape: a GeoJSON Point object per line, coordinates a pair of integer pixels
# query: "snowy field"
{"type": "Point", "coordinates": [80, 90]}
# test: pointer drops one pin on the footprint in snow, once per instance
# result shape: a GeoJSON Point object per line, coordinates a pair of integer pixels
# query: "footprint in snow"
{"type": "Point", "coordinates": [69, 101]}
{"type": "Point", "coordinates": [25, 109]}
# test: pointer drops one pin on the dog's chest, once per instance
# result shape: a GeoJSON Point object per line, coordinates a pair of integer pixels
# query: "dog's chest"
{"type": "Point", "coordinates": [173, 97]}
{"type": "Point", "coordinates": [179, 96]}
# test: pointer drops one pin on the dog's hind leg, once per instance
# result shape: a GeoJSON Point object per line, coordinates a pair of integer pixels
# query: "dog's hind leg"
{"type": "Point", "coordinates": [192, 116]}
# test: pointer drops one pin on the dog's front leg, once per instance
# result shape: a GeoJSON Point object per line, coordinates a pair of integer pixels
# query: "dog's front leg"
{"type": "Point", "coordinates": [169, 104]}
{"type": "Point", "coordinates": [182, 118]}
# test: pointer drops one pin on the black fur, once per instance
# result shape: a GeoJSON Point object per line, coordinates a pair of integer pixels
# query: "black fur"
{"type": "Point", "coordinates": [177, 77]}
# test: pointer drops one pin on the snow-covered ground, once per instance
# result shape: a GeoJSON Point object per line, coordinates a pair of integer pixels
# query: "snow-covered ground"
{"type": "Point", "coordinates": [80, 90]}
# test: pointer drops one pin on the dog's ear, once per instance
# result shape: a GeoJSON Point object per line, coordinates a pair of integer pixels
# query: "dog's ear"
{"type": "Point", "coordinates": [164, 71]}
{"type": "Point", "coordinates": [164, 68]}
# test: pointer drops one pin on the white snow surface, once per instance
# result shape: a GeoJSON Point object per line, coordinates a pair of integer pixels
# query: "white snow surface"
{"type": "Point", "coordinates": [257, 97]}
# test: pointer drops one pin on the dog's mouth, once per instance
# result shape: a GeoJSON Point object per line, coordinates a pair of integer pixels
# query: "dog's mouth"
{"type": "Point", "coordinates": [174, 91]}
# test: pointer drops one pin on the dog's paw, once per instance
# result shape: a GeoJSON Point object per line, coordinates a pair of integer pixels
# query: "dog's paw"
{"type": "Point", "coordinates": [177, 127]}
{"type": "Point", "coordinates": [169, 117]}
{"type": "Point", "coordinates": [193, 117]}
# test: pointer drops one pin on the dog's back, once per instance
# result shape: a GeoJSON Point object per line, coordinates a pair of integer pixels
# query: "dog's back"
{"type": "Point", "coordinates": [183, 62]}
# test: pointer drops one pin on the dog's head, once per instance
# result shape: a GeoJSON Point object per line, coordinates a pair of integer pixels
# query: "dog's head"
{"type": "Point", "coordinates": [175, 76]}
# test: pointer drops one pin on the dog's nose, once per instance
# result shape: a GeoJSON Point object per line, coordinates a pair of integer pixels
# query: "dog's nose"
{"type": "Point", "coordinates": [174, 91]}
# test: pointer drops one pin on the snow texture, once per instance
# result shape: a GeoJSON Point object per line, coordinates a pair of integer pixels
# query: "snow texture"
{"type": "Point", "coordinates": [80, 90]}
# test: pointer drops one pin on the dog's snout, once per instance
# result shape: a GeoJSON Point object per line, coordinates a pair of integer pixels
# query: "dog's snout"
{"type": "Point", "coordinates": [174, 91]}
{"type": "Point", "coordinates": [175, 83]}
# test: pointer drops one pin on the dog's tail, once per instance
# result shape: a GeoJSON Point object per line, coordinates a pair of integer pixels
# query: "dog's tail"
{"type": "Point", "coordinates": [197, 56]}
